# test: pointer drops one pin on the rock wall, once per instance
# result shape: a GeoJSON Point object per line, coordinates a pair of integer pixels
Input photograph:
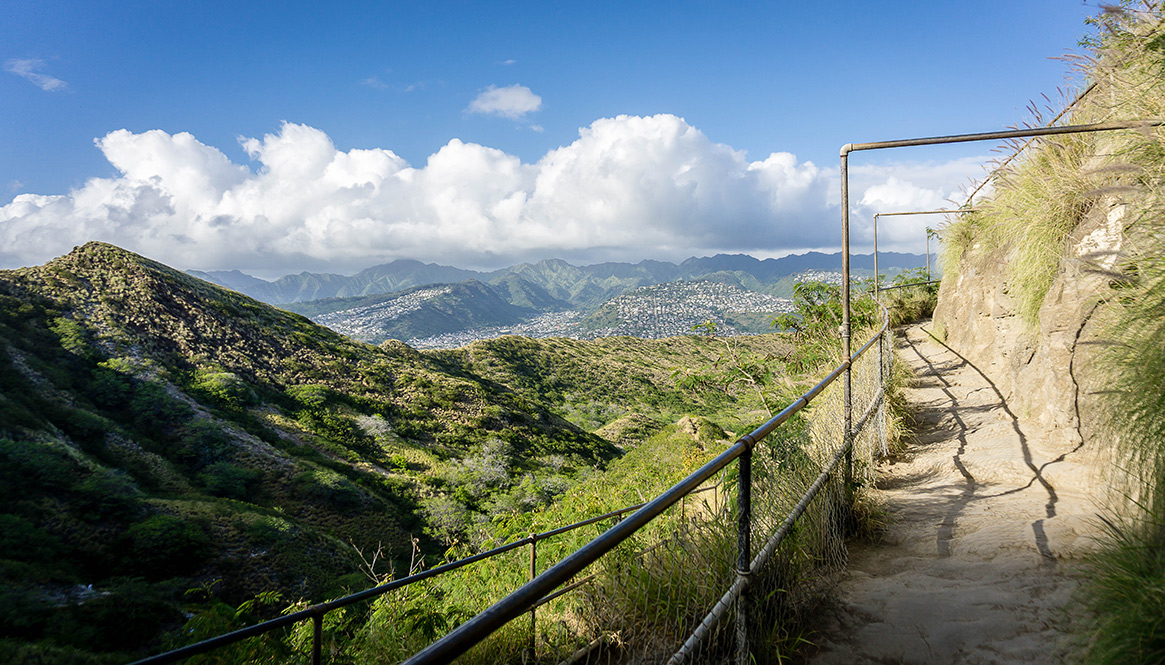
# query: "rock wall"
{"type": "Point", "coordinates": [1047, 374]}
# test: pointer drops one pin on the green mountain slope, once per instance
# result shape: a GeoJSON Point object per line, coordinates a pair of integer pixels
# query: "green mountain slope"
{"type": "Point", "coordinates": [159, 433]}
{"type": "Point", "coordinates": [417, 312]}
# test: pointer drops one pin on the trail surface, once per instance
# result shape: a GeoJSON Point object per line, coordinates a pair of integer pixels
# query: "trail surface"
{"type": "Point", "coordinates": [987, 524]}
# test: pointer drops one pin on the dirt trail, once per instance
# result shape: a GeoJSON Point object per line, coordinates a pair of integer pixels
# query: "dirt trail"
{"type": "Point", "coordinates": [988, 523]}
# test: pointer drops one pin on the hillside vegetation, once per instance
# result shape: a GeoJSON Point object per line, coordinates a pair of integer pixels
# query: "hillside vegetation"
{"type": "Point", "coordinates": [1088, 209]}
{"type": "Point", "coordinates": [160, 434]}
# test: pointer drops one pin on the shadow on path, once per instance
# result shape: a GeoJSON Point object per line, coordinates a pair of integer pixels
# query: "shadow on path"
{"type": "Point", "coordinates": [947, 527]}
{"type": "Point", "coordinates": [1037, 472]}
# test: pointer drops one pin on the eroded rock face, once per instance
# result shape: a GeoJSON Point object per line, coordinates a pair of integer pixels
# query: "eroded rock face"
{"type": "Point", "coordinates": [1048, 373]}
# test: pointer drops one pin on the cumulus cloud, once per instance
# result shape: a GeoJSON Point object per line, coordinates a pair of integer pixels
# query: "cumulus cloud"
{"type": "Point", "coordinates": [30, 68]}
{"type": "Point", "coordinates": [903, 187]}
{"type": "Point", "coordinates": [513, 101]}
{"type": "Point", "coordinates": [627, 188]}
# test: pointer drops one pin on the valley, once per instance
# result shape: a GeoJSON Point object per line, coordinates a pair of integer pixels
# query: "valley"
{"type": "Point", "coordinates": [405, 300]}
{"type": "Point", "coordinates": [178, 447]}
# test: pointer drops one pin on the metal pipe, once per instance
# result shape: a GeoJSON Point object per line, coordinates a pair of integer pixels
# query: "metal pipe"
{"type": "Point", "coordinates": [847, 385]}
{"type": "Point", "coordinates": [928, 232]}
{"type": "Point", "coordinates": [317, 636]}
{"type": "Point", "coordinates": [533, 610]}
{"type": "Point", "coordinates": [877, 275]}
{"type": "Point", "coordinates": [882, 344]}
{"type": "Point", "coordinates": [743, 555]}
{"type": "Point", "coordinates": [907, 286]}
{"type": "Point", "coordinates": [1007, 134]}
{"type": "Point", "coordinates": [1023, 147]}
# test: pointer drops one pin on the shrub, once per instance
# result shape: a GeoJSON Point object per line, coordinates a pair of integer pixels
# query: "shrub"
{"type": "Point", "coordinates": [224, 388]}
{"type": "Point", "coordinates": [913, 300]}
{"type": "Point", "coordinates": [228, 480]}
{"type": "Point", "coordinates": [164, 546]}
{"type": "Point", "coordinates": [329, 488]}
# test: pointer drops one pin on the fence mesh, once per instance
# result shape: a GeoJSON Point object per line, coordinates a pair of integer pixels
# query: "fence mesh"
{"type": "Point", "coordinates": [669, 593]}
{"type": "Point", "coordinates": [642, 602]}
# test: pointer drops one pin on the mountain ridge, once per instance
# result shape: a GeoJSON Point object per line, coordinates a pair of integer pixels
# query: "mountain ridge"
{"type": "Point", "coordinates": [585, 286]}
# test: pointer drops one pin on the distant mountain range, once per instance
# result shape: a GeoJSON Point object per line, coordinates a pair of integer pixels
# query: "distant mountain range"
{"type": "Point", "coordinates": [431, 306]}
{"type": "Point", "coordinates": [540, 285]}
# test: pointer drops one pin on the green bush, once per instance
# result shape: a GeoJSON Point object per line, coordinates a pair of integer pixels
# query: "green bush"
{"type": "Point", "coordinates": [123, 614]}
{"type": "Point", "coordinates": [164, 546]}
{"type": "Point", "coordinates": [913, 299]}
{"type": "Point", "coordinates": [108, 494]}
{"type": "Point", "coordinates": [229, 481]}
{"type": "Point", "coordinates": [73, 336]}
{"type": "Point", "coordinates": [21, 540]}
{"type": "Point", "coordinates": [154, 412]}
{"type": "Point", "coordinates": [329, 488]}
{"type": "Point", "coordinates": [201, 444]}
{"type": "Point", "coordinates": [224, 388]}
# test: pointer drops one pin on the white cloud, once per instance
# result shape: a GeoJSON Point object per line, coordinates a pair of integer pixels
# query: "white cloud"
{"type": "Point", "coordinates": [374, 82]}
{"type": "Point", "coordinates": [29, 68]}
{"type": "Point", "coordinates": [904, 187]}
{"type": "Point", "coordinates": [514, 102]}
{"type": "Point", "coordinates": [628, 188]}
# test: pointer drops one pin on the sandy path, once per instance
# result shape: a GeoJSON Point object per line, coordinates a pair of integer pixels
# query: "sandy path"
{"type": "Point", "coordinates": [988, 521]}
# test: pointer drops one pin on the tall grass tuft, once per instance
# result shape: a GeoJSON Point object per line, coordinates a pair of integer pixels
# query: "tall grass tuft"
{"type": "Point", "coordinates": [1033, 213]}
{"type": "Point", "coordinates": [1125, 597]}
{"type": "Point", "coordinates": [912, 299]}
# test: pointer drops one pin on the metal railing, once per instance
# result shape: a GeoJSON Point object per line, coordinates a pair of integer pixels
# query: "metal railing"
{"type": "Point", "coordinates": [929, 233]}
{"type": "Point", "coordinates": [907, 285]}
{"type": "Point", "coordinates": [469, 634]}
{"type": "Point", "coordinates": [317, 612]}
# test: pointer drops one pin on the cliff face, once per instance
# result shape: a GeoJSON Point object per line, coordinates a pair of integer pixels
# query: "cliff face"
{"type": "Point", "coordinates": [1046, 374]}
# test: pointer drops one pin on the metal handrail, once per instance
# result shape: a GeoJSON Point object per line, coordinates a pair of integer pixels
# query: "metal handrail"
{"type": "Point", "coordinates": [929, 231]}
{"type": "Point", "coordinates": [909, 284]}
{"type": "Point", "coordinates": [317, 611]}
{"type": "Point", "coordinates": [520, 601]}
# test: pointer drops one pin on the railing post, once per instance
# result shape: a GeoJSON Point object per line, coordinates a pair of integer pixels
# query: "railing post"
{"type": "Point", "coordinates": [531, 649]}
{"type": "Point", "coordinates": [877, 275]}
{"type": "Point", "coordinates": [317, 638]}
{"type": "Point", "coordinates": [744, 556]}
{"type": "Point", "coordinates": [882, 388]}
{"type": "Point", "coordinates": [847, 383]}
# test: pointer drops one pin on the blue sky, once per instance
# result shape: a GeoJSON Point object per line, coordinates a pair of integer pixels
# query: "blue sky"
{"type": "Point", "coordinates": [706, 92]}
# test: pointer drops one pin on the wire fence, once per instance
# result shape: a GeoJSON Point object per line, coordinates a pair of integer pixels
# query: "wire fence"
{"type": "Point", "coordinates": [662, 592]}
{"type": "Point", "coordinates": [666, 586]}
{"type": "Point", "coordinates": [327, 618]}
